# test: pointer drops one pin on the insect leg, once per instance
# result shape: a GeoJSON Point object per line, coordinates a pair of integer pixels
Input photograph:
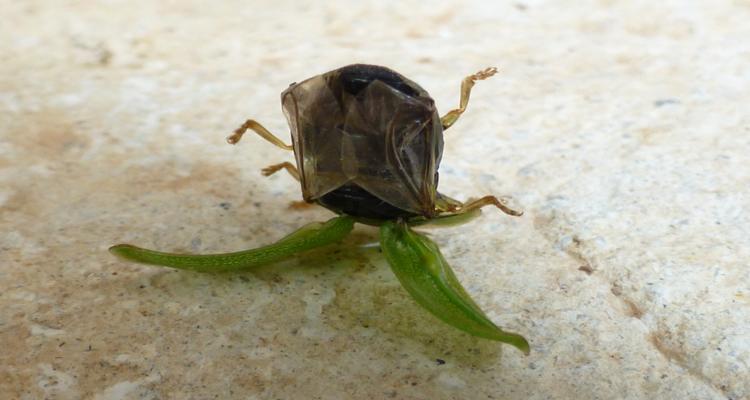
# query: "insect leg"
{"type": "Point", "coordinates": [290, 168]}
{"type": "Point", "coordinates": [452, 116]}
{"type": "Point", "coordinates": [260, 130]}
{"type": "Point", "coordinates": [448, 208]}
{"type": "Point", "coordinates": [294, 172]}
{"type": "Point", "coordinates": [489, 201]}
{"type": "Point", "coordinates": [445, 204]}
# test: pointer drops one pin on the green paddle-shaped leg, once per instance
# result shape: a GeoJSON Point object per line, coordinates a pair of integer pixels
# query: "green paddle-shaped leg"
{"type": "Point", "coordinates": [415, 259]}
{"type": "Point", "coordinates": [306, 238]}
{"type": "Point", "coordinates": [424, 273]}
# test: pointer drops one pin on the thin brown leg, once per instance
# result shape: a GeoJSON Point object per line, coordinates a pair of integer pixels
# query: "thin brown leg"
{"type": "Point", "coordinates": [290, 168]}
{"type": "Point", "coordinates": [260, 130]}
{"type": "Point", "coordinates": [453, 212]}
{"type": "Point", "coordinates": [448, 207]}
{"type": "Point", "coordinates": [489, 201]}
{"type": "Point", "coordinates": [445, 204]}
{"type": "Point", "coordinates": [452, 116]}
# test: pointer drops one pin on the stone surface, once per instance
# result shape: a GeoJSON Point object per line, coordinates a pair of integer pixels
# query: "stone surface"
{"type": "Point", "coordinates": [622, 128]}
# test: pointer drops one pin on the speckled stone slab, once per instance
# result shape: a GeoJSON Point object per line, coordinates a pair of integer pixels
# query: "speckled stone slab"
{"type": "Point", "coordinates": [622, 128]}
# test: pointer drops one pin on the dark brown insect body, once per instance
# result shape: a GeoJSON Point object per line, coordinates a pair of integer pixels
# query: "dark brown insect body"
{"type": "Point", "coordinates": [368, 143]}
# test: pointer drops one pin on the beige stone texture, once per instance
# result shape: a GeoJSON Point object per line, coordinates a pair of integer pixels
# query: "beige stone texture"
{"type": "Point", "coordinates": [621, 127]}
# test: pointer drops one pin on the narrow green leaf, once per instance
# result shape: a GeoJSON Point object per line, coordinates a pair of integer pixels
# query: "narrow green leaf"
{"type": "Point", "coordinates": [446, 220]}
{"type": "Point", "coordinates": [306, 238]}
{"type": "Point", "coordinates": [424, 273]}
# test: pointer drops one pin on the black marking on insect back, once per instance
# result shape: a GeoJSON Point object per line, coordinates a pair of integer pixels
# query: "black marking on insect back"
{"type": "Point", "coordinates": [352, 200]}
{"type": "Point", "coordinates": [354, 78]}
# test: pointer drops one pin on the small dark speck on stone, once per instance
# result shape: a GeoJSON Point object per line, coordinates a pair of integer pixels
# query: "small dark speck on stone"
{"type": "Point", "coordinates": [225, 205]}
{"type": "Point", "coordinates": [440, 361]}
{"type": "Point", "coordinates": [141, 287]}
{"type": "Point", "coordinates": [256, 204]}
{"type": "Point", "coordinates": [664, 102]}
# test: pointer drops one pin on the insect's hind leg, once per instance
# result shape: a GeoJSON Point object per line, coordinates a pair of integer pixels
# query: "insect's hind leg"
{"type": "Point", "coordinates": [260, 130]}
{"type": "Point", "coordinates": [453, 212]}
{"type": "Point", "coordinates": [489, 201]}
{"type": "Point", "coordinates": [289, 167]}
{"type": "Point", "coordinates": [447, 206]}
{"type": "Point", "coordinates": [452, 116]}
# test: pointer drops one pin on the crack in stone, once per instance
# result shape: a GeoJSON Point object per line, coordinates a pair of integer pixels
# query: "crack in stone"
{"type": "Point", "coordinates": [575, 253]}
{"type": "Point", "coordinates": [589, 265]}
{"type": "Point", "coordinates": [679, 359]}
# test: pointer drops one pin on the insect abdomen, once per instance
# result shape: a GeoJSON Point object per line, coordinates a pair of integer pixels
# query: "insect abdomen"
{"type": "Point", "coordinates": [351, 199]}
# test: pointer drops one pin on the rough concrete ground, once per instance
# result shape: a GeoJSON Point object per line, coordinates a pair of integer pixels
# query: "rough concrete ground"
{"type": "Point", "coordinates": [622, 128]}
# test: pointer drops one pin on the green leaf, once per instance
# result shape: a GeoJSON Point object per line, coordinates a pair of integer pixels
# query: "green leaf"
{"type": "Point", "coordinates": [446, 220]}
{"type": "Point", "coordinates": [424, 273]}
{"type": "Point", "coordinates": [306, 238]}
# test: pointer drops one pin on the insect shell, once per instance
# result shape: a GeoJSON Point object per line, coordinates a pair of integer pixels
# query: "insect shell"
{"type": "Point", "coordinates": [368, 143]}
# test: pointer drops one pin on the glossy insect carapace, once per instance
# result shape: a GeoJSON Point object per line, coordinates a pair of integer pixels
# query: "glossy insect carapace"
{"type": "Point", "coordinates": [368, 143]}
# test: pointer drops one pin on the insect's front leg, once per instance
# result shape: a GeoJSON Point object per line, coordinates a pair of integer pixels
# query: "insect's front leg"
{"type": "Point", "coordinates": [452, 116]}
{"type": "Point", "coordinates": [294, 172]}
{"type": "Point", "coordinates": [289, 167]}
{"type": "Point", "coordinates": [254, 126]}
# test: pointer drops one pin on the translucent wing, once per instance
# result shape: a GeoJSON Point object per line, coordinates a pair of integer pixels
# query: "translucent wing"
{"type": "Point", "coordinates": [314, 115]}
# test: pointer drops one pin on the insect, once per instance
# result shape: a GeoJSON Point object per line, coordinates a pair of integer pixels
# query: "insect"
{"type": "Point", "coordinates": [367, 143]}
